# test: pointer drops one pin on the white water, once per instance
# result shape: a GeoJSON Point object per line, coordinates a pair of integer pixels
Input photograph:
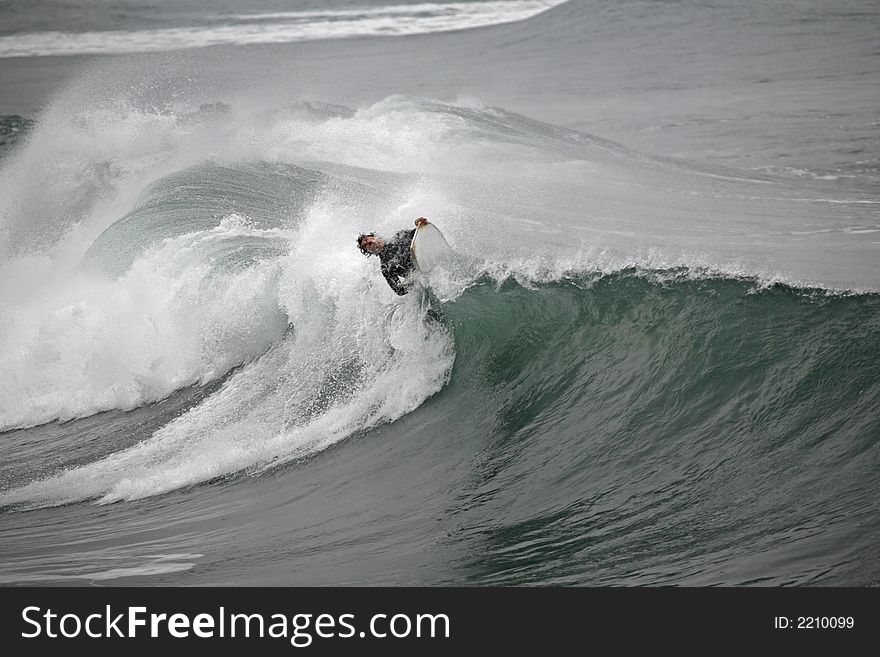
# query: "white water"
{"type": "Point", "coordinates": [280, 27]}
{"type": "Point", "coordinates": [312, 344]}
{"type": "Point", "coordinates": [73, 342]}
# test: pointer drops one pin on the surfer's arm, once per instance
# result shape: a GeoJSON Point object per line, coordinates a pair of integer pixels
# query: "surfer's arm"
{"type": "Point", "coordinates": [393, 272]}
{"type": "Point", "coordinates": [395, 283]}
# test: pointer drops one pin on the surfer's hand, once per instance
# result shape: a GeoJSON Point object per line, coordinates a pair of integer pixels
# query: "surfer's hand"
{"type": "Point", "coordinates": [421, 221]}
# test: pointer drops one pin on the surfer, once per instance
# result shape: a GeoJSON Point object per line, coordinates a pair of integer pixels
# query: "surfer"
{"type": "Point", "coordinates": [394, 254]}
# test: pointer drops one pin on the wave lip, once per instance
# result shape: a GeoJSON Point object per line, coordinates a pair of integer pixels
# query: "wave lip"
{"type": "Point", "coordinates": [280, 27]}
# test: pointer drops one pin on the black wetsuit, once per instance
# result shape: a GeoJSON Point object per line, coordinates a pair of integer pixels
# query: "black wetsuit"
{"type": "Point", "coordinates": [397, 260]}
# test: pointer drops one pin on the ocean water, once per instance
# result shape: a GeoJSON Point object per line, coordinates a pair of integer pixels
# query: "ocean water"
{"type": "Point", "coordinates": [657, 355]}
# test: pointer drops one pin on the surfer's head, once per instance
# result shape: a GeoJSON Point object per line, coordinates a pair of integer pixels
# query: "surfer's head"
{"type": "Point", "coordinates": [369, 244]}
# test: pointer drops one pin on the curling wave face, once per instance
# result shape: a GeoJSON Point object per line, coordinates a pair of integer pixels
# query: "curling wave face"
{"type": "Point", "coordinates": [212, 249]}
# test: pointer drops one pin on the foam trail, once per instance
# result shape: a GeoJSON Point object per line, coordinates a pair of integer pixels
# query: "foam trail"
{"type": "Point", "coordinates": [293, 26]}
{"type": "Point", "coordinates": [170, 321]}
{"type": "Point", "coordinates": [357, 356]}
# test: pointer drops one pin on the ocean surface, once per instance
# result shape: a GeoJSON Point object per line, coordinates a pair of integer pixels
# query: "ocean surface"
{"type": "Point", "coordinates": [656, 360]}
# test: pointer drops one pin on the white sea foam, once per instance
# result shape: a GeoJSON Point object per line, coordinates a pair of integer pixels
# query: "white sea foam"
{"type": "Point", "coordinates": [357, 356]}
{"type": "Point", "coordinates": [170, 321]}
{"type": "Point", "coordinates": [281, 27]}
{"type": "Point", "coordinates": [325, 348]}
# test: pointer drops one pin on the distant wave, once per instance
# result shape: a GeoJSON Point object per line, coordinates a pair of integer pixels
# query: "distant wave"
{"type": "Point", "coordinates": [281, 27]}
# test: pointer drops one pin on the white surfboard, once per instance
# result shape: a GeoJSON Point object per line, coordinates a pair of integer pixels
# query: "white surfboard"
{"type": "Point", "coordinates": [429, 247]}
